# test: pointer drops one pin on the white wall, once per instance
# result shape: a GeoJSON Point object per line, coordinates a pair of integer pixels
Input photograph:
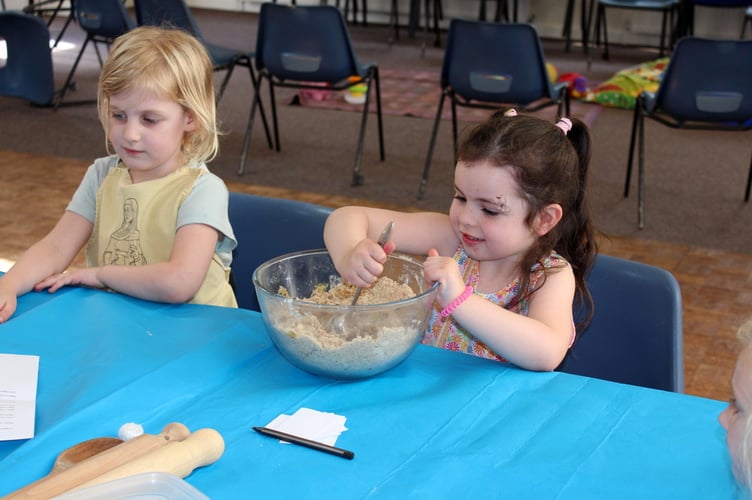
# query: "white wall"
{"type": "Point", "coordinates": [630, 27]}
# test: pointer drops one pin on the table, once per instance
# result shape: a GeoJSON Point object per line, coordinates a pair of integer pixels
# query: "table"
{"type": "Point", "coordinates": [440, 425]}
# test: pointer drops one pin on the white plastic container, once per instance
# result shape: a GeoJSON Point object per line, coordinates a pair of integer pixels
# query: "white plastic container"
{"type": "Point", "coordinates": [147, 486]}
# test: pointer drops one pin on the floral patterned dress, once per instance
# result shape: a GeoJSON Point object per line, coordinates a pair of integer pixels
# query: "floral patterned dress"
{"type": "Point", "coordinates": [448, 334]}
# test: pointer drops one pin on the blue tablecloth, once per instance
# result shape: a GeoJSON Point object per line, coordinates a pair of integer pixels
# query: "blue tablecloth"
{"type": "Point", "coordinates": [440, 425]}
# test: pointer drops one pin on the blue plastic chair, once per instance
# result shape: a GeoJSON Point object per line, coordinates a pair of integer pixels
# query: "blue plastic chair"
{"type": "Point", "coordinates": [707, 85]}
{"type": "Point", "coordinates": [305, 47]}
{"type": "Point", "coordinates": [103, 21]}
{"type": "Point", "coordinates": [669, 9]}
{"type": "Point", "coordinates": [266, 228]}
{"type": "Point", "coordinates": [635, 336]}
{"type": "Point", "coordinates": [490, 64]}
{"type": "Point", "coordinates": [176, 13]}
{"type": "Point", "coordinates": [27, 72]}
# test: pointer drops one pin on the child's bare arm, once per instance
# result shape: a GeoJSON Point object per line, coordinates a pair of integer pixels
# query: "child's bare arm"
{"type": "Point", "coordinates": [538, 341]}
{"type": "Point", "coordinates": [174, 281]}
{"type": "Point", "coordinates": [49, 256]}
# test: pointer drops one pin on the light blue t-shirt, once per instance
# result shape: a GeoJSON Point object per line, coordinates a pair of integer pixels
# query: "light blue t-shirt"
{"type": "Point", "coordinates": [205, 204]}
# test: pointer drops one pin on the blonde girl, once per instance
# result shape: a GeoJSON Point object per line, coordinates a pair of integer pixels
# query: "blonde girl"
{"type": "Point", "coordinates": [156, 105]}
{"type": "Point", "coordinates": [736, 419]}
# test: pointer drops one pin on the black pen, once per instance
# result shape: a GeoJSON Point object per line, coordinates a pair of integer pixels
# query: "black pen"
{"type": "Point", "coordinates": [290, 438]}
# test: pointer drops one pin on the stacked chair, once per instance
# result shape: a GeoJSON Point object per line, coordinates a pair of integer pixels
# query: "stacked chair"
{"type": "Point", "coordinates": [487, 65]}
{"type": "Point", "coordinates": [305, 47]}
{"type": "Point", "coordinates": [27, 41]}
{"type": "Point", "coordinates": [103, 21]}
{"type": "Point", "coordinates": [708, 86]}
{"type": "Point", "coordinates": [668, 9]}
{"type": "Point", "coordinates": [176, 13]}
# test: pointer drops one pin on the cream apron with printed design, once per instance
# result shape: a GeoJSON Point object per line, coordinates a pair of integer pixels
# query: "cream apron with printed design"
{"type": "Point", "coordinates": [135, 224]}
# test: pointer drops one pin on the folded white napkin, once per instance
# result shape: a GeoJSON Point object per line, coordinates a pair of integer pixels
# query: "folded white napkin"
{"type": "Point", "coordinates": [323, 427]}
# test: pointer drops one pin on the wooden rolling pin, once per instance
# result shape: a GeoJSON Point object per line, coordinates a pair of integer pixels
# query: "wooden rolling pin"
{"type": "Point", "coordinates": [201, 448]}
{"type": "Point", "coordinates": [57, 483]}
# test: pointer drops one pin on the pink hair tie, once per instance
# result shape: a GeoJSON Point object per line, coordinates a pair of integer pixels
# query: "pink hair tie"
{"type": "Point", "coordinates": [510, 112]}
{"type": "Point", "coordinates": [565, 124]}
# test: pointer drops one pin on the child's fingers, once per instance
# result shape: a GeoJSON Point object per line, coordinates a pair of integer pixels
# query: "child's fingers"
{"type": "Point", "coordinates": [6, 310]}
{"type": "Point", "coordinates": [433, 252]}
{"type": "Point", "coordinates": [50, 283]}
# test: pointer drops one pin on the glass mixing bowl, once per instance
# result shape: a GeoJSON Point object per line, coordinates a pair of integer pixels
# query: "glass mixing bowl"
{"type": "Point", "coordinates": [340, 341]}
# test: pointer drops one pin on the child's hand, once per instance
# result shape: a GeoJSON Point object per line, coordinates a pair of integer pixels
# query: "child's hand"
{"type": "Point", "coordinates": [365, 262]}
{"type": "Point", "coordinates": [8, 304]}
{"type": "Point", "coordinates": [446, 271]}
{"type": "Point", "coordinates": [83, 277]}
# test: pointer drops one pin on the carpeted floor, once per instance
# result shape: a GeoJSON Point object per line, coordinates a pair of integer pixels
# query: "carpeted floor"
{"type": "Point", "coordinates": [694, 182]}
{"type": "Point", "coordinates": [416, 93]}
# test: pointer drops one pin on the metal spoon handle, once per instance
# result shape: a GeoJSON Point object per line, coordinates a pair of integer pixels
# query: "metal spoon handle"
{"type": "Point", "coordinates": [382, 241]}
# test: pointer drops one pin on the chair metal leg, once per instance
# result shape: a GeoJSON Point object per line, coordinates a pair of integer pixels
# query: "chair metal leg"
{"type": "Point", "coordinates": [662, 49]}
{"type": "Point", "coordinates": [435, 13]}
{"type": "Point", "coordinates": [355, 11]}
{"type": "Point", "coordinates": [427, 10]}
{"type": "Point", "coordinates": [455, 131]}
{"type": "Point", "coordinates": [99, 54]}
{"type": "Point", "coordinates": [224, 83]}
{"type": "Point", "coordinates": [372, 78]}
{"type": "Point", "coordinates": [482, 11]}
{"type": "Point", "coordinates": [431, 145]}
{"type": "Point", "coordinates": [636, 118]}
{"type": "Point", "coordinates": [379, 119]}
{"type": "Point", "coordinates": [275, 121]}
{"type": "Point", "coordinates": [357, 179]}
{"type": "Point", "coordinates": [62, 31]}
{"type": "Point", "coordinates": [747, 20]}
{"type": "Point", "coordinates": [673, 23]}
{"type": "Point", "coordinates": [502, 10]}
{"type": "Point", "coordinates": [438, 13]}
{"type": "Point", "coordinates": [394, 21]}
{"type": "Point", "coordinates": [566, 31]}
{"type": "Point", "coordinates": [249, 128]}
{"type": "Point", "coordinates": [257, 103]}
{"type": "Point", "coordinates": [749, 182]}
{"type": "Point", "coordinates": [255, 80]}
{"type": "Point", "coordinates": [586, 19]}
{"type": "Point", "coordinates": [605, 34]}
{"type": "Point", "coordinates": [641, 176]}
{"type": "Point", "coordinates": [69, 79]}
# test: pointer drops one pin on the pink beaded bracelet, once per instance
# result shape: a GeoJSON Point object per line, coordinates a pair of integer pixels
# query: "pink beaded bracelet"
{"type": "Point", "coordinates": [457, 302]}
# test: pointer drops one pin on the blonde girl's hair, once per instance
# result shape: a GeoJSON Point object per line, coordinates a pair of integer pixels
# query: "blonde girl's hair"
{"type": "Point", "coordinates": [171, 64]}
{"type": "Point", "coordinates": [745, 335]}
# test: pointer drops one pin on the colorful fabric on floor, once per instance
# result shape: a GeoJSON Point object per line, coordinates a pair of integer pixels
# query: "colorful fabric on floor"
{"type": "Point", "coordinates": [621, 90]}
